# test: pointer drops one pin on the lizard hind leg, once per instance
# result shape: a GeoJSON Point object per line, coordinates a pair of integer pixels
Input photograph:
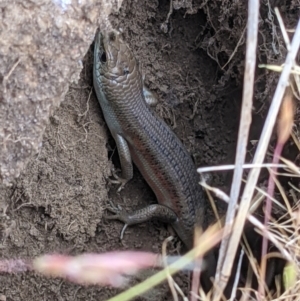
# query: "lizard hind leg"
{"type": "Point", "coordinates": [154, 211]}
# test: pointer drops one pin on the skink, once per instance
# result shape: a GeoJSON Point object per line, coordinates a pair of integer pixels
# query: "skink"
{"type": "Point", "coordinates": [145, 139]}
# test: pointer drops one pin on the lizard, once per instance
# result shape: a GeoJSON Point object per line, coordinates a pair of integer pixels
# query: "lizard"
{"type": "Point", "coordinates": [142, 137]}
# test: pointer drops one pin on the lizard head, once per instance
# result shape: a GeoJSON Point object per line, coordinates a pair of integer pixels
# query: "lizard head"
{"type": "Point", "coordinates": [113, 60]}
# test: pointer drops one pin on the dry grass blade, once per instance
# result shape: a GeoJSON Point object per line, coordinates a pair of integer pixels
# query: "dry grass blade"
{"type": "Point", "coordinates": [276, 240]}
{"type": "Point", "coordinates": [174, 287]}
{"type": "Point", "coordinates": [252, 30]}
{"type": "Point", "coordinates": [209, 238]}
{"type": "Point", "coordinates": [232, 166]}
{"type": "Point", "coordinates": [237, 277]}
{"type": "Point", "coordinates": [259, 156]}
{"type": "Point", "coordinates": [284, 128]}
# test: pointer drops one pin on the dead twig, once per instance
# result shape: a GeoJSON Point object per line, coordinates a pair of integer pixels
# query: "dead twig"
{"type": "Point", "coordinates": [258, 159]}
{"type": "Point", "coordinates": [223, 270]}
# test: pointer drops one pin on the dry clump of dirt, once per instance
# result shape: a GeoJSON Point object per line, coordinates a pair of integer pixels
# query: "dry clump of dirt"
{"type": "Point", "coordinates": [56, 205]}
{"type": "Point", "coordinates": [42, 44]}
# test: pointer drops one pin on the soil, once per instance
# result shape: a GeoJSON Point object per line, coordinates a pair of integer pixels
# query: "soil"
{"type": "Point", "coordinates": [58, 203]}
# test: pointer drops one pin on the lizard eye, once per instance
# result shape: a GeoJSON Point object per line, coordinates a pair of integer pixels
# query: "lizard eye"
{"type": "Point", "coordinates": [103, 57]}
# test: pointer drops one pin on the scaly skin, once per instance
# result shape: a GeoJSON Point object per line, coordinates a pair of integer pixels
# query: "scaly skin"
{"type": "Point", "coordinates": [147, 140]}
